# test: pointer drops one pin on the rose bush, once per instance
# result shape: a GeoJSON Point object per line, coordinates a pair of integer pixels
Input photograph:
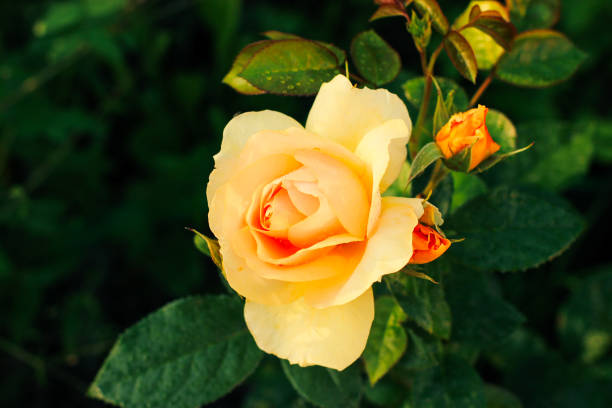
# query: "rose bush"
{"type": "Point", "coordinates": [302, 226]}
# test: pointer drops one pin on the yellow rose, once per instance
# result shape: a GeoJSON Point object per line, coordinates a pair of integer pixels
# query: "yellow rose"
{"type": "Point", "coordinates": [302, 227]}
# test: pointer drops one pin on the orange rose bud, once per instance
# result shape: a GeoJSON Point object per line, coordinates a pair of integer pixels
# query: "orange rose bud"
{"type": "Point", "coordinates": [467, 130]}
{"type": "Point", "coordinates": [427, 244]}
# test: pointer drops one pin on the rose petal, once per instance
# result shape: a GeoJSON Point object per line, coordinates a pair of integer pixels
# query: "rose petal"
{"type": "Point", "coordinates": [235, 136]}
{"type": "Point", "coordinates": [323, 260]}
{"type": "Point", "coordinates": [289, 141]}
{"type": "Point", "coordinates": [333, 337]}
{"type": "Point", "coordinates": [387, 251]}
{"type": "Point", "coordinates": [345, 114]}
{"type": "Point", "coordinates": [228, 207]}
{"type": "Point", "coordinates": [342, 187]}
{"type": "Point", "coordinates": [383, 149]}
{"type": "Point", "coordinates": [322, 224]}
{"type": "Point", "coordinates": [251, 285]}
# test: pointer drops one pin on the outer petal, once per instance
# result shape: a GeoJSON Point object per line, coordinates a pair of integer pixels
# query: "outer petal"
{"type": "Point", "coordinates": [345, 114]}
{"type": "Point", "coordinates": [383, 149]}
{"type": "Point", "coordinates": [235, 136]}
{"type": "Point", "coordinates": [334, 259]}
{"type": "Point", "coordinates": [333, 337]}
{"type": "Point", "coordinates": [387, 251]}
{"type": "Point", "coordinates": [251, 285]}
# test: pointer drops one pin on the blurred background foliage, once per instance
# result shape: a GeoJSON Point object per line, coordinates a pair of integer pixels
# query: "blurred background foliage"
{"type": "Point", "coordinates": [110, 112]}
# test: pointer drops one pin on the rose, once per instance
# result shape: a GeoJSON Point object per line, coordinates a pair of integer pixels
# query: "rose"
{"type": "Point", "coordinates": [427, 244]}
{"type": "Point", "coordinates": [464, 133]}
{"type": "Point", "coordinates": [302, 227]}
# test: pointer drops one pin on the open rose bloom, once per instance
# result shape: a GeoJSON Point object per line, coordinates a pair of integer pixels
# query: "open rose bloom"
{"type": "Point", "coordinates": [303, 229]}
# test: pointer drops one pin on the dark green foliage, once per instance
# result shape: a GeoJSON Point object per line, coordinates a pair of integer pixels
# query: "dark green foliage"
{"type": "Point", "coordinates": [387, 340]}
{"type": "Point", "coordinates": [422, 301]}
{"type": "Point", "coordinates": [111, 110]}
{"type": "Point", "coordinates": [481, 317]}
{"type": "Point", "coordinates": [452, 384]}
{"type": "Point", "coordinates": [186, 354]}
{"type": "Point", "coordinates": [374, 58]}
{"type": "Point", "coordinates": [326, 387]}
{"type": "Point", "coordinates": [512, 229]}
{"type": "Point", "coordinates": [540, 58]}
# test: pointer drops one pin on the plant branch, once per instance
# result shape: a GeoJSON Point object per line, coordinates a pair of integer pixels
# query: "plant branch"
{"type": "Point", "coordinates": [439, 173]}
{"type": "Point", "coordinates": [483, 87]}
{"type": "Point", "coordinates": [428, 73]}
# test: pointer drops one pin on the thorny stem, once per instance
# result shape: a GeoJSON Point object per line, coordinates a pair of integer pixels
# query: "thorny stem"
{"type": "Point", "coordinates": [428, 73]}
{"type": "Point", "coordinates": [439, 173]}
{"type": "Point", "coordinates": [485, 84]}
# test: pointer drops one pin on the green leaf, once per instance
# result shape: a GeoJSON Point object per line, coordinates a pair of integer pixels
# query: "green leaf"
{"type": "Point", "coordinates": [387, 341]}
{"type": "Point", "coordinates": [420, 28]}
{"type": "Point", "coordinates": [234, 80]}
{"type": "Point", "coordinates": [399, 188]}
{"type": "Point", "coordinates": [375, 60]}
{"type": "Point", "coordinates": [278, 35]}
{"type": "Point", "coordinates": [422, 301]}
{"type": "Point", "coordinates": [585, 320]}
{"type": "Point", "coordinates": [58, 17]}
{"type": "Point", "coordinates": [208, 246]}
{"type": "Point", "coordinates": [188, 353]}
{"type": "Point", "coordinates": [452, 384]}
{"type": "Point", "coordinates": [426, 156]}
{"type": "Point", "coordinates": [498, 397]}
{"type": "Point", "coordinates": [461, 55]}
{"type": "Point", "coordinates": [502, 130]}
{"type": "Point", "coordinates": [533, 14]}
{"type": "Point", "coordinates": [561, 155]}
{"type": "Point", "coordinates": [602, 139]}
{"type": "Point", "coordinates": [443, 195]}
{"type": "Point", "coordinates": [268, 387]}
{"type": "Point", "coordinates": [481, 317]}
{"type": "Point", "coordinates": [385, 393]}
{"type": "Point", "coordinates": [432, 8]}
{"type": "Point", "coordinates": [290, 67]}
{"type": "Point", "coordinates": [387, 10]}
{"type": "Point", "coordinates": [485, 47]}
{"type": "Point", "coordinates": [424, 352]}
{"type": "Point", "coordinates": [413, 90]}
{"type": "Point", "coordinates": [101, 8]}
{"type": "Point", "coordinates": [326, 387]}
{"type": "Point", "coordinates": [539, 58]}
{"type": "Point", "coordinates": [493, 24]}
{"type": "Point", "coordinates": [513, 229]}
{"type": "Point", "coordinates": [466, 187]}
{"type": "Point", "coordinates": [443, 110]}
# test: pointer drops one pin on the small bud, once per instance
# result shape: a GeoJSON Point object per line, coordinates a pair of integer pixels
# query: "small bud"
{"type": "Point", "coordinates": [465, 141]}
{"type": "Point", "coordinates": [427, 244]}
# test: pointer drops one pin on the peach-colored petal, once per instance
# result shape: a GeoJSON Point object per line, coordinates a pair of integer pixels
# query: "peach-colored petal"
{"type": "Point", "coordinates": [289, 141]}
{"type": "Point", "coordinates": [345, 114]}
{"type": "Point", "coordinates": [383, 149]}
{"type": "Point", "coordinates": [228, 207]}
{"type": "Point", "coordinates": [333, 337]}
{"type": "Point", "coordinates": [387, 251]}
{"type": "Point", "coordinates": [235, 136]}
{"type": "Point", "coordinates": [321, 224]}
{"type": "Point", "coordinates": [342, 187]}
{"type": "Point", "coordinates": [336, 259]}
{"type": "Point", "coordinates": [251, 285]}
